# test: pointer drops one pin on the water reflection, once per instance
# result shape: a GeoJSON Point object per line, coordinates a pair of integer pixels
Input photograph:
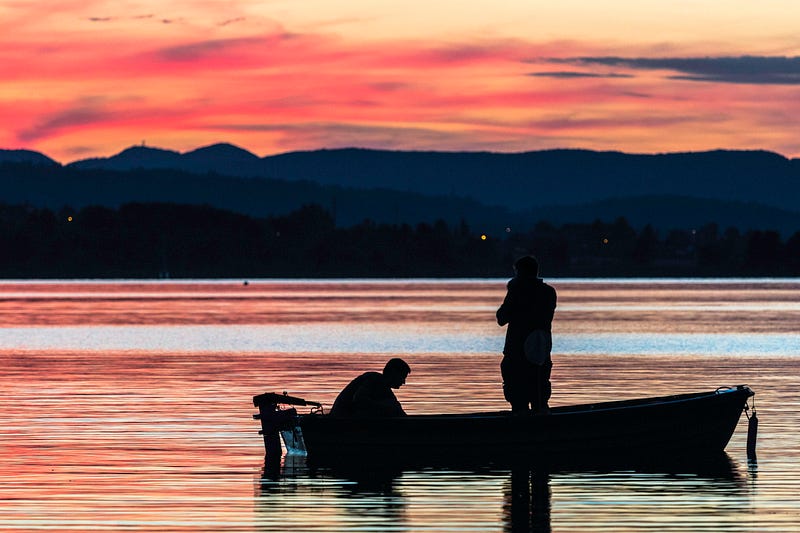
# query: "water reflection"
{"type": "Point", "coordinates": [127, 405]}
{"type": "Point", "coordinates": [346, 499]}
{"type": "Point", "coordinates": [527, 497]}
{"type": "Point", "coordinates": [522, 496]}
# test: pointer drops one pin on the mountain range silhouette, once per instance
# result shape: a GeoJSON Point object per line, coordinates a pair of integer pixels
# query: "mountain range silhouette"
{"type": "Point", "coordinates": [744, 189]}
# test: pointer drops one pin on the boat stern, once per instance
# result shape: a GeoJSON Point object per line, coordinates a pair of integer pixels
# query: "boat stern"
{"type": "Point", "coordinates": [278, 421]}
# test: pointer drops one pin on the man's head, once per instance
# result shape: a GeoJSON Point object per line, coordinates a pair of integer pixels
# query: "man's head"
{"type": "Point", "coordinates": [527, 266]}
{"type": "Point", "coordinates": [396, 371]}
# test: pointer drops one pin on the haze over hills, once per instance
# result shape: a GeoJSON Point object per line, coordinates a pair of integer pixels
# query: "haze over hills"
{"type": "Point", "coordinates": [747, 189]}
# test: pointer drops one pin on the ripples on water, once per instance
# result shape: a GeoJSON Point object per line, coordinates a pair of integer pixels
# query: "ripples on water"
{"type": "Point", "coordinates": [126, 406]}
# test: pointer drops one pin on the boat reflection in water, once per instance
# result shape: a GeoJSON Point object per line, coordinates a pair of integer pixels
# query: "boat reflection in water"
{"type": "Point", "coordinates": [652, 455]}
{"type": "Point", "coordinates": [386, 493]}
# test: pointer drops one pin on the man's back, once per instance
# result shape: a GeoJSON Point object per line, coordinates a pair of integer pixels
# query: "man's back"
{"type": "Point", "coordinates": [529, 305]}
{"type": "Point", "coordinates": [367, 395]}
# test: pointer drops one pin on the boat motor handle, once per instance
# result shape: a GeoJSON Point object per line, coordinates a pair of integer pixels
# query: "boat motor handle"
{"type": "Point", "coordinates": [281, 399]}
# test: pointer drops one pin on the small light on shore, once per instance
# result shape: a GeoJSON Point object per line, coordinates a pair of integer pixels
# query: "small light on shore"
{"type": "Point", "coordinates": [69, 219]}
{"type": "Point", "coordinates": [483, 237]}
{"type": "Point", "coordinates": [605, 240]}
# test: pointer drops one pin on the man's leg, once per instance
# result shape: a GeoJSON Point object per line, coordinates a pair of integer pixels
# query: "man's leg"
{"type": "Point", "coordinates": [515, 388]}
{"type": "Point", "coordinates": [542, 387]}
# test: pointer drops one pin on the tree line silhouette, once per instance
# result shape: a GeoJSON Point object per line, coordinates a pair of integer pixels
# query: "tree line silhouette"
{"type": "Point", "coordinates": [148, 240]}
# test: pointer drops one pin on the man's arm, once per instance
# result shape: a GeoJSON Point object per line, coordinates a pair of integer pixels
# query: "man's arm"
{"type": "Point", "coordinates": [505, 311]}
{"type": "Point", "coordinates": [376, 399]}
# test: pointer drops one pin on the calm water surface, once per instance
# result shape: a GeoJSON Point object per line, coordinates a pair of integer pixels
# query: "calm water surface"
{"type": "Point", "coordinates": [126, 405]}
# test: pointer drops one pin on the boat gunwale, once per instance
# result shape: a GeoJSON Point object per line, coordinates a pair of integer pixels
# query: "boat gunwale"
{"type": "Point", "coordinates": [602, 407]}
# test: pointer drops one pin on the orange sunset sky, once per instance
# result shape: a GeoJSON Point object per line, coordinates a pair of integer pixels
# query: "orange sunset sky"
{"type": "Point", "coordinates": [84, 78]}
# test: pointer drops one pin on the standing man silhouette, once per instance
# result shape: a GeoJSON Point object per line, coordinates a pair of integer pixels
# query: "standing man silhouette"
{"type": "Point", "coordinates": [528, 310]}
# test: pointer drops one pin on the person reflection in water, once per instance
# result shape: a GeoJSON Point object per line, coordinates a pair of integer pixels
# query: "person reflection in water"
{"type": "Point", "coordinates": [527, 501]}
{"type": "Point", "coordinates": [528, 310]}
{"type": "Point", "coordinates": [370, 394]}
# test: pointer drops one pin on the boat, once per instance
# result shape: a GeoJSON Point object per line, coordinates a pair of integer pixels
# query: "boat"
{"type": "Point", "coordinates": [651, 429]}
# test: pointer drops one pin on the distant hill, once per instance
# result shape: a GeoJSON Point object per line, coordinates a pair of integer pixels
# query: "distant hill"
{"type": "Point", "coordinates": [57, 187]}
{"type": "Point", "coordinates": [222, 158]}
{"type": "Point", "coordinates": [135, 157]}
{"type": "Point", "coordinates": [26, 156]}
{"type": "Point", "coordinates": [672, 212]}
{"type": "Point", "coordinates": [516, 181]}
{"type": "Point", "coordinates": [745, 189]}
{"type": "Point", "coordinates": [555, 177]}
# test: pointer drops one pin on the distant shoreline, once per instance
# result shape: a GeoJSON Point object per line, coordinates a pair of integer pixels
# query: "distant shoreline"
{"type": "Point", "coordinates": [171, 241]}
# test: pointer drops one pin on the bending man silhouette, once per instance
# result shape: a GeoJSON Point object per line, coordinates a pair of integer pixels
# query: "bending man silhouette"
{"type": "Point", "coordinates": [528, 310]}
{"type": "Point", "coordinates": [370, 394]}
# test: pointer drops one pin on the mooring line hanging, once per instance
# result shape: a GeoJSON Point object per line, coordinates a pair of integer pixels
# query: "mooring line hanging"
{"type": "Point", "coordinates": [752, 428]}
{"type": "Point", "coordinates": [748, 408]}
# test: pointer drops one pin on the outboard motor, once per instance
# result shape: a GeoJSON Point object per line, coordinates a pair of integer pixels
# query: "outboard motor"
{"type": "Point", "coordinates": [274, 419]}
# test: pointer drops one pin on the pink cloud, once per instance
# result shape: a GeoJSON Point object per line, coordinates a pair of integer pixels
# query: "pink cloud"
{"type": "Point", "coordinates": [285, 90]}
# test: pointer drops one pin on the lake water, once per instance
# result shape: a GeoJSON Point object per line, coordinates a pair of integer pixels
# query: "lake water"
{"type": "Point", "coordinates": [126, 406]}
